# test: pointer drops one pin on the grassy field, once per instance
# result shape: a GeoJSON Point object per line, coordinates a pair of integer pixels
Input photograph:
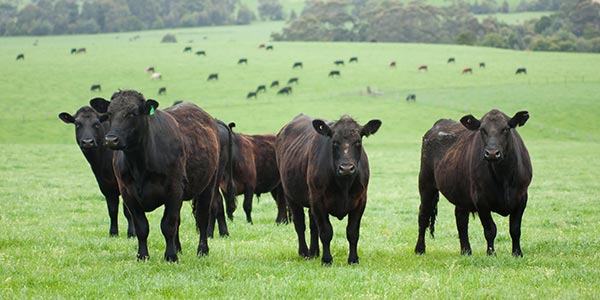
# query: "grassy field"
{"type": "Point", "coordinates": [54, 239]}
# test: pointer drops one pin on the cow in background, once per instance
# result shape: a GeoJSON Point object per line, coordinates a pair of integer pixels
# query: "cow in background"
{"type": "Point", "coordinates": [89, 135]}
{"type": "Point", "coordinates": [324, 167]}
{"type": "Point", "coordinates": [480, 166]}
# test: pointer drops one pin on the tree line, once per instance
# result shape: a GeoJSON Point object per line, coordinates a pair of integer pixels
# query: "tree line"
{"type": "Point", "coordinates": [574, 27]}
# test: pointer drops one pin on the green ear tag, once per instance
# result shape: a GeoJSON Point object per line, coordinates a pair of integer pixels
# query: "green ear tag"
{"type": "Point", "coordinates": [151, 110]}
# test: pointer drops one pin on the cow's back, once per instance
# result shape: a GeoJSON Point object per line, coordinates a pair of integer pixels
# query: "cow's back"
{"type": "Point", "coordinates": [293, 144]}
{"type": "Point", "coordinates": [199, 134]}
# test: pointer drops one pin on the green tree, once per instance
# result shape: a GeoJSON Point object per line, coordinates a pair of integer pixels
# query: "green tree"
{"type": "Point", "coordinates": [270, 10]}
{"type": "Point", "coordinates": [466, 38]}
{"type": "Point", "coordinates": [244, 15]}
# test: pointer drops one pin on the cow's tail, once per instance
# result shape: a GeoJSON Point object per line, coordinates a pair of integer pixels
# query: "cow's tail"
{"type": "Point", "coordinates": [434, 211]}
{"type": "Point", "coordinates": [230, 190]}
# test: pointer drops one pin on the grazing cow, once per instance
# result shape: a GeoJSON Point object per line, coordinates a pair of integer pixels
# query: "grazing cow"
{"type": "Point", "coordinates": [213, 76]}
{"type": "Point", "coordinates": [261, 87]}
{"type": "Point", "coordinates": [353, 59]}
{"type": "Point", "coordinates": [521, 71]}
{"type": "Point", "coordinates": [324, 167]}
{"type": "Point", "coordinates": [467, 70]}
{"type": "Point", "coordinates": [95, 87]}
{"type": "Point", "coordinates": [293, 80]}
{"type": "Point", "coordinates": [422, 68]}
{"type": "Point", "coordinates": [338, 62]}
{"type": "Point", "coordinates": [297, 64]}
{"type": "Point", "coordinates": [261, 46]}
{"type": "Point", "coordinates": [81, 50]}
{"type": "Point", "coordinates": [155, 76]}
{"type": "Point", "coordinates": [392, 64]}
{"type": "Point", "coordinates": [243, 61]}
{"type": "Point", "coordinates": [201, 52]}
{"type": "Point", "coordinates": [269, 47]}
{"type": "Point", "coordinates": [334, 73]}
{"type": "Point", "coordinates": [166, 156]}
{"type": "Point", "coordinates": [275, 83]}
{"type": "Point", "coordinates": [482, 65]}
{"type": "Point", "coordinates": [21, 56]}
{"type": "Point", "coordinates": [411, 97]}
{"type": "Point", "coordinates": [254, 172]}
{"type": "Point", "coordinates": [162, 90]}
{"type": "Point", "coordinates": [451, 60]}
{"type": "Point", "coordinates": [480, 166]}
{"type": "Point", "coordinates": [251, 95]}
{"type": "Point", "coordinates": [285, 90]}
{"type": "Point", "coordinates": [89, 134]}
{"type": "Point", "coordinates": [149, 69]}
{"type": "Point", "coordinates": [187, 49]}
{"type": "Point", "coordinates": [73, 50]}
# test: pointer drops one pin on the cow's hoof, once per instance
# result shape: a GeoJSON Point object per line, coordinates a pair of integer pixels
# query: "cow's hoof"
{"type": "Point", "coordinates": [202, 251]}
{"type": "Point", "coordinates": [171, 258]}
{"type": "Point", "coordinates": [517, 253]}
{"type": "Point", "coordinates": [466, 252]}
{"type": "Point", "coordinates": [353, 261]}
{"type": "Point", "coordinates": [141, 257]}
{"type": "Point", "coordinates": [326, 261]}
{"type": "Point", "coordinates": [491, 252]}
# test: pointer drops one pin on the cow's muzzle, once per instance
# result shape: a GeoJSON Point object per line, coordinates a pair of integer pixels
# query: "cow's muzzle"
{"type": "Point", "coordinates": [112, 142]}
{"type": "Point", "coordinates": [346, 170]}
{"type": "Point", "coordinates": [87, 143]}
{"type": "Point", "coordinates": [492, 154]}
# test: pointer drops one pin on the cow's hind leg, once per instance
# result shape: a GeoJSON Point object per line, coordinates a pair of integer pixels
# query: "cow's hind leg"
{"type": "Point", "coordinates": [462, 225]}
{"type": "Point", "coordinates": [130, 226]}
{"type": "Point", "coordinates": [489, 230]}
{"type": "Point", "coordinates": [427, 214]}
{"type": "Point", "coordinates": [282, 212]}
{"type": "Point", "coordinates": [248, 195]}
{"type": "Point", "coordinates": [515, 228]}
{"type": "Point", "coordinates": [300, 227]}
{"type": "Point", "coordinates": [169, 226]}
{"type": "Point", "coordinates": [201, 214]}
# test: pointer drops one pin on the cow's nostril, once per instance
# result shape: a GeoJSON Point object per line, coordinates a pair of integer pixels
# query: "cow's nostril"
{"type": "Point", "coordinates": [346, 169]}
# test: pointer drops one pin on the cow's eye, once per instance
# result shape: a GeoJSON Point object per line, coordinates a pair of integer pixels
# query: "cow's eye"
{"type": "Point", "coordinates": [357, 144]}
{"type": "Point", "coordinates": [77, 124]}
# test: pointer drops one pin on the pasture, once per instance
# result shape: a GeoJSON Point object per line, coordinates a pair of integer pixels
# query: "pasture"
{"type": "Point", "coordinates": [54, 240]}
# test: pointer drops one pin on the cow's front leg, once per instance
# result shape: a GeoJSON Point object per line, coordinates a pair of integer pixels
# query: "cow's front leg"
{"type": "Point", "coordinates": [300, 227]}
{"type": "Point", "coordinates": [462, 225]}
{"type": "Point", "coordinates": [169, 226]}
{"type": "Point", "coordinates": [489, 230]}
{"type": "Point", "coordinates": [325, 233]}
{"type": "Point", "coordinates": [353, 231]}
{"type": "Point", "coordinates": [515, 228]}
{"type": "Point", "coordinates": [142, 229]}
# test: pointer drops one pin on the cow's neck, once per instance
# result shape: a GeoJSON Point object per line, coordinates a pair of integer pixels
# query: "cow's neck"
{"type": "Point", "coordinates": [96, 158]}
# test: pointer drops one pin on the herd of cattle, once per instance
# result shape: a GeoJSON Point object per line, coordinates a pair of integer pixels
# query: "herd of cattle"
{"type": "Point", "coordinates": [156, 158]}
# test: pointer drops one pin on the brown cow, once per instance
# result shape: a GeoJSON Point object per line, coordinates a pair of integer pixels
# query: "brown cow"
{"type": "Point", "coordinates": [164, 157]}
{"type": "Point", "coordinates": [480, 166]}
{"type": "Point", "coordinates": [467, 70]}
{"type": "Point", "coordinates": [324, 167]}
{"type": "Point", "coordinates": [254, 172]}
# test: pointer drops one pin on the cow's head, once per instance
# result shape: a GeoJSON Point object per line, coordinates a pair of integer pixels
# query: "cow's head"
{"type": "Point", "coordinates": [495, 129]}
{"type": "Point", "coordinates": [127, 113]}
{"type": "Point", "coordinates": [345, 138]}
{"type": "Point", "coordinates": [89, 132]}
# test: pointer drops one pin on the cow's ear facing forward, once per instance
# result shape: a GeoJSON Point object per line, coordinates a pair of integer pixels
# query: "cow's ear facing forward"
{"type": "Point", "coordinates": [470, 122]}
{"type": "Point", "coordinates": [99, 104]}
{"type": "Point", "coordinates": [519, 119]}
{"type": "Point", "coordinates": [149, 107]}
{"type": "Point", "coordinates": [370, 128]}
{"type": "Point", "coordinates": [66, 117]}
{"type": "Point", "coordinates": [321, 127]}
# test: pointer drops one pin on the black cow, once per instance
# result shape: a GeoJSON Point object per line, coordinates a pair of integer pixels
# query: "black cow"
{"type": "Point", "coordinates": [81, 50]}
{"type": "Point", "coordinates": [411, 97]}
{"type": "Point", "coordinates": [297, 64]}
{"type": "Point", "coordinates": [251, 95]}
{"type": "Point", "coordinates": [293, 80]}
{"type": "Point", "coordinates": [480, 166]}
{"type": "Point", "coordinates": [482, 65]}
{"type": "Point", "coordinates": [201, 52]}
{"type": "Point", "coordinates": [285, 90]}
{"type": "Point", "coordinates": [187, 49]}
{"type": "Point", "coordinates": [261, 87]}
{"type": "Point", "coordinates": [338, 62]}
{"type": "Point", "coordinates": [243, 61]}
{"type": "Point", "coordinates": [334, 73]}
{"type": "Point", "coordinates": [89, 134]}
{"type": "Point", "coordinates": [162, 90]}
{"type": "Point", "coordinates": [324, 167]}
{"type": "Point", "coordinates": [73, 50]}
{"type": "Point", "coordinates": [275, 83]}
{"type": "Point", "coordinates": [254, 172]}
{"type": "Point", "coordinates": [165, 157]}
{"type": "Point", "coordinates": [21, 56]}
{"type": "Point", "coordinates": [392, 64]}
{"type": "Point", "coordinates": [451, 60]}
{"type": "Point", "coordinates": [213, 76]}
{"type": "Point", "coordinates": [521, 71]}
{"type": "Point", "coordinates": [353, 59]}
{"type": "Point", "coordinates": [422, 68]}
{"type": "Point", "coordinates": [269, 47]}
{"type": "Point", "coordinates": [95, 87]}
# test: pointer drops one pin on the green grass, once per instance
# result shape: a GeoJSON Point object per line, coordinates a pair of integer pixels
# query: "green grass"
{"type": "Point", "coordinates": [54, 241]}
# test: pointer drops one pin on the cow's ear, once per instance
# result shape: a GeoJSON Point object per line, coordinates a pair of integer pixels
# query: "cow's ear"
{"type": "Point", "coordinates": [150, 106]}
{"type": "Point", "coordinates": [519, 119]}
{"type": "Point", "coordinates": [470, 122]}
{"type": "Point", "coordinates": [231, 125]}
{"type": "Point", "coordinates": [321, 127]}
{"type": "Point", "coordinates": [370, 128]}
{"type": "Point", "coordinates": [99, 104]}
{"type": "Point", "coordinates": [66, 117]}
{"type": "Point", "coordinates": [103, 117]}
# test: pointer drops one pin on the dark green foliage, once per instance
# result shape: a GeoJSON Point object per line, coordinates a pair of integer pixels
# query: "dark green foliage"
{"type": "Point", "coordinates": [270, 10]}
{"type": "Point", "coordinates": [169, 38]}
